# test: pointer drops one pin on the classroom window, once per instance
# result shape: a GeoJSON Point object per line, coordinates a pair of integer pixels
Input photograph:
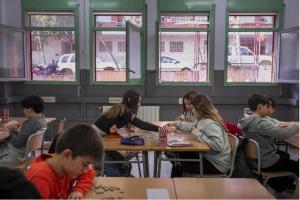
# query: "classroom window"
{"type": "Point", "coordinates": [186, 58]}
{"type": "Point", "coordinates": [110, 36]}
{"type": "Point", "coordinates": [52, 46]}
{"type": "Point", "coordinates": [251, 48]}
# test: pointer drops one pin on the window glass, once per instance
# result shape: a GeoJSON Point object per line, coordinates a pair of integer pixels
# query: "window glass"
{"type": "Point", "coordinates": [117, 20]}
{"type": "Point", "coordinates": [184, 21]}
{"type": "Point", "coordinates": [236, 21]}
{"type": "Point", "coordinates": [250, 57]}
{"type": "Point", "coordinates": [51, 20]}
{"type": "Point", "coordinates": [187, 58]}
{"type": "Point", "coordinates": [51, 57]}
{"type": "Point", "coordinates": [110, 62]}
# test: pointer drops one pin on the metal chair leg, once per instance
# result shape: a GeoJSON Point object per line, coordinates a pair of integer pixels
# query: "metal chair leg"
{"type": "Point", "coordinates": [138, 162]}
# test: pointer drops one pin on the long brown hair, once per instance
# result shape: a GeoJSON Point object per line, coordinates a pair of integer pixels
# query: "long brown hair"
{"type": "Point", "coordinates": [114, 111]}
{"type": "Point", "coordinates": [206, 109]}
{"type": "Point", "coordinates": [189, 96]}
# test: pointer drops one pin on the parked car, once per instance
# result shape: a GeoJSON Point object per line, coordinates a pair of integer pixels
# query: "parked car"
{"type": "Point", "coordinates": [66, 61]}
{"type": "Point", "coordinates": [168, 63]}
{"type": "Point", "coordinates": [107, 65]}
{"type": "Point", "coordinates": [246, 56]}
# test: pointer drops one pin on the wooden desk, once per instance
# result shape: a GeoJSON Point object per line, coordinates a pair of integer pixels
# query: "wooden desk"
{"type": "Point", "coordinates": [128, 188]}
{"type": "Point", "coordinates": [220, 188]}
{"type": "Point", "coordinates": [293, 141]}
{"type": "Point", "coordinates": [22, 119]}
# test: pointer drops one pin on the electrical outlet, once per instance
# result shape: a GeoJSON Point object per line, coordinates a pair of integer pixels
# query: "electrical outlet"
{"type": "Point", "coordinates": [114, 99]}
{"type": "Point", "coordinates": [180, 100]}
{"type": "Point", "coordinates": [48, 99]}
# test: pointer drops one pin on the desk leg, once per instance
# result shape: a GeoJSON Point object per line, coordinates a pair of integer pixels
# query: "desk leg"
{"type": "Point", "coordinates": [201, 164]}
{"type": "Point", "coordinates": [159, 164]}
{"type": "Point", "coordinates": [145, 164]}
{"type": "Point", "coordinates": [156, 154]}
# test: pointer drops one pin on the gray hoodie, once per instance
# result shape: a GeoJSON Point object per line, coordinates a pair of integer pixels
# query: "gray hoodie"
{"type": "Point", "coordinates": [264, 131]}
{"type": "Point", "coordinates": [211, 133]}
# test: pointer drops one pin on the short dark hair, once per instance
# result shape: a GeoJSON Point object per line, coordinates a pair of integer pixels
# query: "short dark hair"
{"type": "Point", "coordinates": [257, 99]}
{"type": "Point", "coordinates": [82, 140]}
{"type": "Point", "coordinates": [13, 185]}
{"type": "Point", "coordinates": [34, 102]}
{"type": "Point", "coordinates": [130, 100]}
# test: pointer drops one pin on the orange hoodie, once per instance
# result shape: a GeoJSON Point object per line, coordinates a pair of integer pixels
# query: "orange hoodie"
{"type": "Point", "coordinates": [50, 186]}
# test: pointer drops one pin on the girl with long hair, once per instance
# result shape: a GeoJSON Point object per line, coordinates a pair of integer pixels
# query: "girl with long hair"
{"type": "Point", "coordinates": [210, 129]}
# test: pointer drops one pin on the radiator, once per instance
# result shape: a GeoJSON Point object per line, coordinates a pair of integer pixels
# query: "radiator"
{"type": "Point", "coordinates": [145, 113]}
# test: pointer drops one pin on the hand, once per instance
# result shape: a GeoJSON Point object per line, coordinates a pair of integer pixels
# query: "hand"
{"type": "Point", "coordinates": [113, 129]}
{"type": "Point", "coordinates": [284, 124]}
{"type": "Point", "coordinates": [171, 128]}
{"type": "Point", "coordinates": [75, 195]}
{"type": "Point", "coordinates": [12, 124]}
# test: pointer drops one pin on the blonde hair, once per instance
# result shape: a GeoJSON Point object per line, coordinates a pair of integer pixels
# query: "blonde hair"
{"type": "Point", "coordinates": [114, 111]}
{"type": "Point", "coordinates": [206, 109]}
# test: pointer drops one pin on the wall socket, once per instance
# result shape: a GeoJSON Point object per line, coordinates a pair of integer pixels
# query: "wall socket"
{"type": "Point", "coordinates": [180, 100]}
{"type": "Point", "coordinates": [48, 99]}
{"type": "Point", "coordinates": [114, 99]}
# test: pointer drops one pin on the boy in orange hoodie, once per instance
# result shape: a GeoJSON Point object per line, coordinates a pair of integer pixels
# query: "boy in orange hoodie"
{"type": "Point", "coordinates": [66, 173]}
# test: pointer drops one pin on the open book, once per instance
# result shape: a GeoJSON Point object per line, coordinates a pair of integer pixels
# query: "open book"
{"type": "Point", "coordinates": [177, 141]}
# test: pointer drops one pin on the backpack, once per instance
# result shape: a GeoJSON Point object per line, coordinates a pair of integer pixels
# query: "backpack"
{"type": "Point", "coordinates": [242, 169]}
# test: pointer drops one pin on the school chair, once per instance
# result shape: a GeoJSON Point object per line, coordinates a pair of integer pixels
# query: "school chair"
{"type": "Point", "coordinates": [253, 154]}
{"type": "Point", "coordinates": [233, 142]}
{"type": "Point", "coordinates": [34, 142]}
{"type": "Point", "coordinates": [46, 144]}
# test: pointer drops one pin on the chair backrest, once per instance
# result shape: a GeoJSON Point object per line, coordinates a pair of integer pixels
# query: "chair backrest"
{"type": "Point", "coordinates": [35, 141]}
{"type": "Point", "coordinates": [61, 126]}
{"type": "Point", "coordinates": [233, 142]}
{"type": "Point", "coordinates": [253, 152]}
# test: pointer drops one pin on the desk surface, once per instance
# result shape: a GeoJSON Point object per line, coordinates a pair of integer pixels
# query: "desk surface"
{"type": "Point", "coordinates": [22, 119]}
{"type": "Point", "coordinates": [220, 188]}
{"type": "Point", "coordinates": [128, 188]}
{"type": "Point", "coordinates": [294, 141]}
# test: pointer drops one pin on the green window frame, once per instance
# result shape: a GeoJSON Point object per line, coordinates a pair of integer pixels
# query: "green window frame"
{"type": "Point", "coordinates": [109, 9]}
{"type": "Point", "coordinates": [189, 9]}
{"type": "Point", "coordinates": [51, 7]}
{"type": "Point", "coordinates": [267, 9]}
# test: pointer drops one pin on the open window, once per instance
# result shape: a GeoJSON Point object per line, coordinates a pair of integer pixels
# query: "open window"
{"type": "Point", "coordinates": [134, 54]}
{"type": "Point", "coordinates": [288, 56]}
{"type": "Point", "coordinates": [12, 56]}
{"type": "Point", "coordinates": [118, 35]}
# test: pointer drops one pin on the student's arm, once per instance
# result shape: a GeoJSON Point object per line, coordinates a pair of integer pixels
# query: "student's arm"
{"type": "Point", "coordinates": [29, 127]}
{"type": "Point", "coordinates": [133, 119]}
{"type": "Point", "coordinates": [266, 127]}
{"type": "Point", "coordinates": [183, 125]}
{"type": "Point", "coordinates": [212, 135]}
{"type": "Point", "coordinates": [84, 182]}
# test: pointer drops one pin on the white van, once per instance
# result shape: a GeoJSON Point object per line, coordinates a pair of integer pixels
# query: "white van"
{"type": "Point", "coordinates": [246, 56]}
{"type": "Point", "coordinates": [68, 61]}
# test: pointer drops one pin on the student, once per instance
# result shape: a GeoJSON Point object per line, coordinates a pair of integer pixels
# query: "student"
{"type": "Point", "coordinates": [261, 129]}
{"type": "Point", "coordinates": [13, 185]}
{"type": "Point", "coordinates": [118, 116]}
{"type": "Point", "coordinates": [13, 149]}
{"type": "Point", "coordinates": [187, 106]}
{"type": "Point", "coordinates": [66, 173]}
{"type": "Point", "coordinates": [210, 129]}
